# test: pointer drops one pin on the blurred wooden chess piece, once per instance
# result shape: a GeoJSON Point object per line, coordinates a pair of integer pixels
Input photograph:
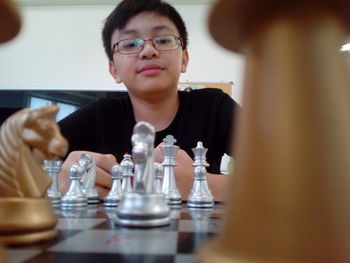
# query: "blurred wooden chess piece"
{"type": "Point", "coordinates": [10, 24]}
{"type": "Point", "coordinates": [10, 21]}
{"type": "Point", "coordinates": [290, 198]}
{"type": "Point", "coordinates": [2, 255]}
{"type": "Point", "coordinates": [25, 214]}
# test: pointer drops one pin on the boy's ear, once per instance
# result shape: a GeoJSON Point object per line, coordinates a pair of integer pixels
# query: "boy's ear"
{"type": "Point", "coordinates": [185, 59]}
{"type": "Point", "coordinates": [114, 72]}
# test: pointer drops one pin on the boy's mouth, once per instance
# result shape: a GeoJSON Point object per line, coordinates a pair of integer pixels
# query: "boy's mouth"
{"type": "Point", "coordinates": [149, 70]}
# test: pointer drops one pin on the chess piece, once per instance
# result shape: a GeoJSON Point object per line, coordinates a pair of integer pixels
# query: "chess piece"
{"type": "Point", "coordinates": [142, 153]}
{"type": "Point", "coordinates": [127, 168]}
{"type": "Point", "coordinates": [88, 179]}
{"type": "Point", "coordinates": [75, 197]}
{"type": "Point", "coordinates": [116, 192]}
{"type": "Point", "coordinates": [52, 168]}
{"type": "Point", "coordinates": [289, 199]}
{"type": "Point", "coordinates": [10, 20]}
{"type": "Point", "coordinates": [144, 207]}
{"type": "Point", "coordinates": [200, 195]}
{"type": "Point", "coordinates": [169, 188]}
{"type": "Point", "coordinates": [2, 255]}
{"type": "Point", "coordinates": [158, 177]}
{"type": "Point", "coordinates": [10, 24]}
{"type": "Point", "coordinates": [23, 181]}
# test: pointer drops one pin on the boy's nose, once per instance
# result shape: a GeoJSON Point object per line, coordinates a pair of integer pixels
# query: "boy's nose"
{"type": "Point", "coordinates": [148, 49]}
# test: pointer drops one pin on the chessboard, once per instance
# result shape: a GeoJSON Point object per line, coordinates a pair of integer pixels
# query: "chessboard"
{"type": "Point", "coordinates": [91, 235]}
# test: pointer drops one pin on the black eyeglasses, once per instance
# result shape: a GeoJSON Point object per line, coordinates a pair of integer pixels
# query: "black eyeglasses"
{"type": "Point", "coordinates": [135, 45]}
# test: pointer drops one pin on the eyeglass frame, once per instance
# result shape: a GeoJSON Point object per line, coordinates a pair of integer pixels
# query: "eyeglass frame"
{"type": "Point", "coordinates": [179, 43]}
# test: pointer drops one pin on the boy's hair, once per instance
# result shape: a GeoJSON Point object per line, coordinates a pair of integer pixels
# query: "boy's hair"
{"type": "Point", "coordinates": [127, 9]}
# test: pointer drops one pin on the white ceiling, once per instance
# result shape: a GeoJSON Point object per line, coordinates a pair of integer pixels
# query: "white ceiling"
{"type": "Point", "coordinates": [102, 2]}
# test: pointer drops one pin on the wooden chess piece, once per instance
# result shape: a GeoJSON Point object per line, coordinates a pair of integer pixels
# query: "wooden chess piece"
{"type": "Point", "coordinates": [25, 214]}
{"type": "Point", "coordinates": [290, 196]}
{"type": "Point", "coordinates": [10, 24]}
{"type": "Point", "coordinates": [10, 21]}
{"type": "Point", "coordinates": [2, 255]}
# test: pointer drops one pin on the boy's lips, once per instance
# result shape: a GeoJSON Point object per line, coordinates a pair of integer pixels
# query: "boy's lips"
{"type": "Point", "coordinates": [151, 69]}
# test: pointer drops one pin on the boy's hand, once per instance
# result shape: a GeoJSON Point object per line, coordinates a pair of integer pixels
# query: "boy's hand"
{"type": "Point", "coordinates": [104, 163]}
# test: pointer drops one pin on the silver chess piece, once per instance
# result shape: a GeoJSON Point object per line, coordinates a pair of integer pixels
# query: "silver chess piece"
{"type": "Point", "coordinates": [88, 179]}
{"type": "Point", "coordinates": [158, 177]}
{"type": "Point", "coordinates": [200, 195]}
{"type": "Point", "coordinates": [116, 192]}
{"type": "Point", "coordinates": [169, 189]}
{"type": "Point", "coordinates": [142, 153]}
{"type": "Point", "coordinates": [127, 172]}
{"type": "Point", "coordinates": [52, 168]}
{"type": "Point", "coordinates": [144, 207]}
{"type": "Point", "coordinates": [75, 197]}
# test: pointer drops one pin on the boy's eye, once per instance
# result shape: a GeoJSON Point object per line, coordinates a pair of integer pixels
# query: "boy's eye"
{"type": "Point", "coordinates": [130, 43]}
{"type": "Point", "coordinates": [163, 40]}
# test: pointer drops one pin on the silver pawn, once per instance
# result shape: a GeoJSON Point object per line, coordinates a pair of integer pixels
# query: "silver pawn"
{"type": "Point", "coordinates": [75, 196]}
{"type": "Point", "coordinates": [169, 188]}
{"type": "Point", "coordinates": [115, 194]}
{"type": "Point", "coordinates": [127, 168]}
{"type": "Point", "coordinates": [52, 168]}
{"type": "Point", "coordinates": [200, 195]}
{"type": "Point", "coordinates": [88, 179]}
{"type": "Point", "coordinates": [158, 169]}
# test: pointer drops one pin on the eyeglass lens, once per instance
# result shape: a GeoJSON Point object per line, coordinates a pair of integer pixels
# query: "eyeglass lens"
{"type": "Point", "coordinates": [135, 45]}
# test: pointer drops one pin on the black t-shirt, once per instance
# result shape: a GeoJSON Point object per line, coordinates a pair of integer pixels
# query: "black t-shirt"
{"type": "Point", "coordinates": [106, 126]}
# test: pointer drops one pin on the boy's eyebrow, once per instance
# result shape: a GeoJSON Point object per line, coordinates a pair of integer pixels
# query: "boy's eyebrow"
{"type": "Point", "coordinates": [128, 31]}
{"type": "Point", "coordinates": [134, 31]}
{"type": "Point", "coordinates": [161, 27]}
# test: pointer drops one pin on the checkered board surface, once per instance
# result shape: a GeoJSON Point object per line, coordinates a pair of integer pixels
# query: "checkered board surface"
{"type": "Point", "coordinates": [91, 235]}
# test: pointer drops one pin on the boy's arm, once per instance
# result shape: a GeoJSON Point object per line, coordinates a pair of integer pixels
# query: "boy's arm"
{"type": "Point", "coordinates": [218, 185]}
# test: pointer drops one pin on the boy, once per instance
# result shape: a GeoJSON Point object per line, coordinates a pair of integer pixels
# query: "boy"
{"type": "Point", "coordinates": [146, 44]}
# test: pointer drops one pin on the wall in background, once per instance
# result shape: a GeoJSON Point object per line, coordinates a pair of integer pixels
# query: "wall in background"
{"type": "Point", "coordinates": [60, 47]}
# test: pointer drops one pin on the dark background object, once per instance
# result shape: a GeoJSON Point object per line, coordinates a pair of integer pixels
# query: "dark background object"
{"type": "Point", "coordinates": [14, 100]}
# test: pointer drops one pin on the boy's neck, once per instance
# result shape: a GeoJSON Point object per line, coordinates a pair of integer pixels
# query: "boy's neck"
{"type": "Point", "coordinates": [159, 112]}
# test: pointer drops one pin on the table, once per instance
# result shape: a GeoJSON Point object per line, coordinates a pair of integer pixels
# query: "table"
{"type": "Point", "coordinates": [91, 235]}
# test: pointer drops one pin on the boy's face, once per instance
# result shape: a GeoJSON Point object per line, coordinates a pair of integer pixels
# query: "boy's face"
{"type": "Point", "coordinates": [151, 71]}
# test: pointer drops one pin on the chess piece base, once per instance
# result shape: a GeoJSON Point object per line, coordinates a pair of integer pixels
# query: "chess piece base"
{"type": "Point", "coordinates": [26, 220]}
{"type": "Point", "coordinates": [55, 200]}
{"type": "Point", "coordinates": [73, 201]}
{"type": "Point", "coordinates": [111, 202]}
{"type": "Point", "coordinates": [92, 196]}
{"type": "Point", "coordinates": [93, 200]}
{"type": "Point", "coordinates": [28, 238]}
{"type": "Point", "coordinates": [199, 204]}
{"type": "Point", "coordinates": [149, 210]}
{"type": "Point", "coordinates": [174, 201]}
